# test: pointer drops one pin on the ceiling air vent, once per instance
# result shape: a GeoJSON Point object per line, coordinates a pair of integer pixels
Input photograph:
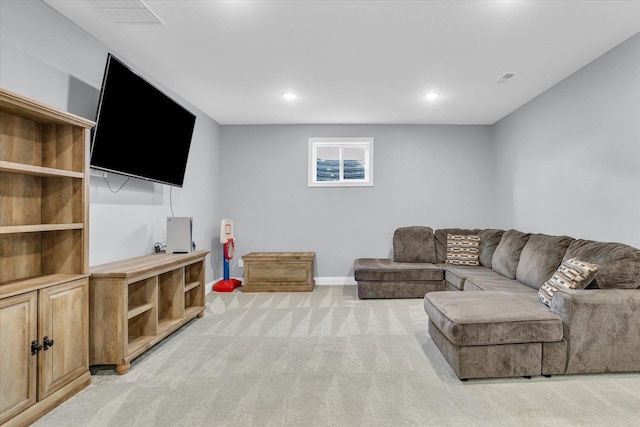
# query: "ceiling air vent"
{"type": "Point", "coordinates": [126, 11]}
{"type": "Point", "coordinates": [506, 77]}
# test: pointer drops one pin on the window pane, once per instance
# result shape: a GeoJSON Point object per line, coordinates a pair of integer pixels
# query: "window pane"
{"type": "Point", "coordinates": [353, 162]}
{"type": "Point", "coordinates": [340, 162]}
{"type": "Point", "coordinates": [328, 164]}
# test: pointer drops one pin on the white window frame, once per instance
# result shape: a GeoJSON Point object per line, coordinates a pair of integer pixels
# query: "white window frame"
{"type": "Point", "coordinates": [341, 143]}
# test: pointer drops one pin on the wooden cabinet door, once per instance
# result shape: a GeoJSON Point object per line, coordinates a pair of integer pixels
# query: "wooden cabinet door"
{"type": "Point", "coordinates": [18, 327]}
{"type": "Point", "coordinates": [63, 318]}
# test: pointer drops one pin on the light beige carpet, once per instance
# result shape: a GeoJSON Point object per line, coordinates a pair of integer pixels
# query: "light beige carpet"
{"type": "Point", "coordinates": [325, 358]}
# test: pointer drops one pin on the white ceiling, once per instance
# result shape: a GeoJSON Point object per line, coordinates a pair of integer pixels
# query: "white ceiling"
{"type": "Point", "coordinates": [359, 61]}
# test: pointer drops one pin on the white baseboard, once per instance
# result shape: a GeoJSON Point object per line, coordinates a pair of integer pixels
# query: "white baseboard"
{"type": "Point", "coordinates": [208, 287]}
{"type": "Point", "coordinates": [320, 281]}
{"type": "Point", "coordinates": [328, 280]}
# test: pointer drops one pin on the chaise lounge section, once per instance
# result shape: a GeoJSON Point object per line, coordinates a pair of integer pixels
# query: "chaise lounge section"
{"type": "Point", "coordinates": [411, 274]}
{"type": "Point", "coordinates": [495, 321]}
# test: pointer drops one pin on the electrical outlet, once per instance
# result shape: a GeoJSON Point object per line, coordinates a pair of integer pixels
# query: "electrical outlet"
{"type": "Point", "coordinates": [240, 263]}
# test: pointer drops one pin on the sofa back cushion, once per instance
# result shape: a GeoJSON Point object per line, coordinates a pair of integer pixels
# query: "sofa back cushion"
{"type": "Point", "coordinates": [619, 263]}
{"type": "Point", "coordinates": [489, 240]}
{"type": "Point", "coordinates": [540, 257]}
{"type": "Point", "coordinates": [414, 244]}
{"type": "Point", "coordinates": [507, 253]}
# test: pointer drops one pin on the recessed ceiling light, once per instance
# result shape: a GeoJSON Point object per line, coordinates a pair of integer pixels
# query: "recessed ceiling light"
{"type": "Point", "coordinates": [289, 96]}
{"type": "Point", "coordinates": [431, 95]}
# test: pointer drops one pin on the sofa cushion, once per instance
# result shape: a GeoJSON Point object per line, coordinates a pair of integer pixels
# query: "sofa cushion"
{"type": "Point", "coordinates": [492, 317]}
{"type": "Point", "coordinates": [398, 288]}
{"type": "Point", "coordinates": [455, 276]}
{"type": "Point", "coordinates": [489, 240]}
{"type": "Point", "coordinates": [571, 274]}
{"type": "Point", "coordinates": [619, 263]}
{"type": "Point", "coordinates": [440, 237]}
{"type": "Point", "coordinates": [507, 254]}
{"type": "Point", "coordinates": [454, 281]}
{"type": "Point", "coordinates": [499, 283]}
{"type": "Point", "coordinates": [375, 269]}
{"type": "Point", "coordinates": [414, 244]}
{"type": "Point", "coordinates": [462, 250]}
{"type": "Point", "coordinates": [540, 257]}
{"type": "Point", "coordinates": [480, 279]}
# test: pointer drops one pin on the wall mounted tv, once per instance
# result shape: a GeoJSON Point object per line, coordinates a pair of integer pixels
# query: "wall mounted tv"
{"type": "Point", "coordinates": [140, 131]}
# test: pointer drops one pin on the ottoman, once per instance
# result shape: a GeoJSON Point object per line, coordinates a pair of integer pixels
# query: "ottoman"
{"type": "Point", "coordinates": [491, 333]}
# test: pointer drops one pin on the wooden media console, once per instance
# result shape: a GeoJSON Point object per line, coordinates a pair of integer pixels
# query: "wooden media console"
{"type": "Point", "coordinates": [136, 303]}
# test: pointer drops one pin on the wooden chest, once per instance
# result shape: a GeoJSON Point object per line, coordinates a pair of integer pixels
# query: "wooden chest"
{"type": "Point", "coordinates": [278, 272]}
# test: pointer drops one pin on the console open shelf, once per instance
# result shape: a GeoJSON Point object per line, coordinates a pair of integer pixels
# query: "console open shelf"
{"type": "Point", "coordinates": [157, 293]}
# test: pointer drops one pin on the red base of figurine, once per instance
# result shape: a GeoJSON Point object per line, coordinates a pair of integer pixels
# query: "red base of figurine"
{"type": "Point", "coordinates": [226, 285]}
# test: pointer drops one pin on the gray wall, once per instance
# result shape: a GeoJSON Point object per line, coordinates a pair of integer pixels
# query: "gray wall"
{"type": "Point", "coordinates": [577, 146]}
{"type": "Point", "coordinates": [568, 162]}
{"type": "Point", "coordinates": [46, 57]}
{"type": "Point", "coordinates": [424, 175]}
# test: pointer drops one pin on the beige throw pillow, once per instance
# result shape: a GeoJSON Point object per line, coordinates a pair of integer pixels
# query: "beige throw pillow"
{"type": "Point", "coordinates": [572, 274]}
{"type": "Point", "coordinates": [462, 250]}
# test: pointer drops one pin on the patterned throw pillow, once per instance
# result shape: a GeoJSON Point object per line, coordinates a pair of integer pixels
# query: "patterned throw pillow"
{"type": "Point", "coordinates": [572, 274]}
{"type": "Point", "coordinates": [462, 250]}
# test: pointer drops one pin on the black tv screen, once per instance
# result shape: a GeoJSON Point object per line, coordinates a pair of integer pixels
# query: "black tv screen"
{"type": "Point", "coordinates": [140, 131]}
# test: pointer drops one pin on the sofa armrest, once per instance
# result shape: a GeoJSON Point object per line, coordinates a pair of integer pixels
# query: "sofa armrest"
{"type": "Point", "coordinates": [601, 328]}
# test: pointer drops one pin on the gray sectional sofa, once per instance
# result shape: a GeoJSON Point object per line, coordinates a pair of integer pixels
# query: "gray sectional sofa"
{"type": "Point", "coordinates": [499, 326]}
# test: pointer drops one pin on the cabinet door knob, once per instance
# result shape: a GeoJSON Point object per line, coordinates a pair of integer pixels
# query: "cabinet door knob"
{"type": "Point", "coordinates": [46, 342]}
{"type": "Point", "coordinates": [35, 347]}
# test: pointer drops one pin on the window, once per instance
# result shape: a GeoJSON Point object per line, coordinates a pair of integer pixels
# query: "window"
{"type": "Point", "coordinates": [340, 162]}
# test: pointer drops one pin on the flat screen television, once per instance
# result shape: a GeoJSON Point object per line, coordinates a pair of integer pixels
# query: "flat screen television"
{"type": "Point", "coordinates": [140, 131]}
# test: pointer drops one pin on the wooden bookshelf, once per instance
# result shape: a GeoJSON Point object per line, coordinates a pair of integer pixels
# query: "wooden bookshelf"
{"type": "Point", "coordinates": [44, 226]}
